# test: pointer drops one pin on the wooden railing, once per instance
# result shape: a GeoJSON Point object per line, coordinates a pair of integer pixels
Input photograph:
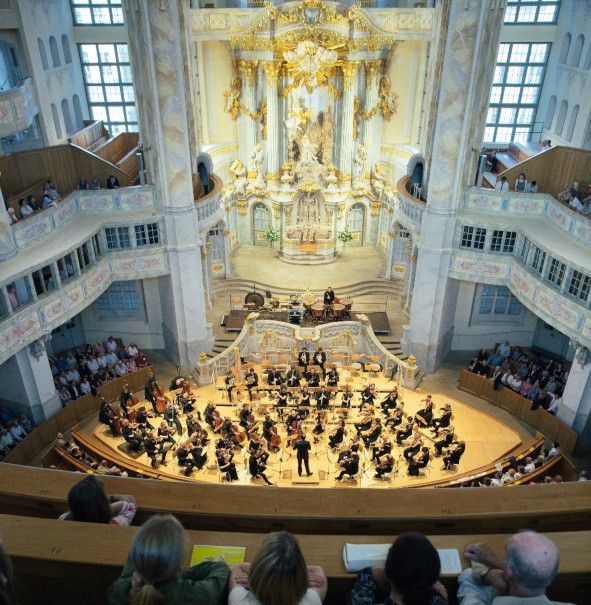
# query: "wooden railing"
{"type": "Point", "coordinates": [90, 136]}
{"type": "Point", "coordinates": [519, 406]}
{"type": "Point", "coordinates": [78, 561]}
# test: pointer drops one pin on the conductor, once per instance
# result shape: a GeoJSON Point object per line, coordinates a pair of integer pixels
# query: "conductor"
{"type": "Point", "coordinates": [302, 447]}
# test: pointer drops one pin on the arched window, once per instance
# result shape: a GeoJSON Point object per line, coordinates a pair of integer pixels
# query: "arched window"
{"type": "Point", "coordinates": [260, 223]}
{"type": "Point", "coordinates": [66, 49]}
{"type": "Point", "coordinates": [577, 51]}
{"type": "Point", "coordinates": [587, 62]}
{"type": "Point", "coordinates": [55, 53]}
{"type": "Point", "coordinates": [77, 111]}
{"type": "Point", "coordinates": [356, 223]}
{"type": "Point", "coordinates": [67, 116]}
{"type": "Point", "coordinates": [550, 113]}
{"type": "Point", "coordinates": [43, 53]}
{"type": "Point", "coordinates": [561, 117]}
{"type": "Point", "coordinates": [565, 48]}
{"type": "Point", "coordinates": [56, 121]}
{"type": "Point", "coordinates": [573, 122]}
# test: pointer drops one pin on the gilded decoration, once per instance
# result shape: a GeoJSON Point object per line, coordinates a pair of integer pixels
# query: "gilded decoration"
{"type": "Point", "coordinates": [387, 104]}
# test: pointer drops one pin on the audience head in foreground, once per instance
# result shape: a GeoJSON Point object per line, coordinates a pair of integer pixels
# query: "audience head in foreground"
{"type": "Point", "coordinates": [529, 567]}
{"type": "Point", "coordinates": [7, 591]}
{"type": "Point", "coordinates": [154, 570]}
{"type": "Point", "coordinates": [278, 575]}
{"type": "Point", "coordinates": [410, 576]}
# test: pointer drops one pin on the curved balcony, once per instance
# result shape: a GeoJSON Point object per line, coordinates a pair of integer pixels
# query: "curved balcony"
{"type": "Point", "coordinates": [209, 207]}
{"type": "Point", "coordinates": [18, 108]}
{"type": "Point", "coordinates": [410, 208]}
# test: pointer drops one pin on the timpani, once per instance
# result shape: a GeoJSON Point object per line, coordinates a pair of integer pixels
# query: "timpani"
{"type": "Point", "coordinates": [348, 303]}
{"type": "Point", "coordinates": [338, 311]}
{"type": "Point", "coordinates": [317, 312]}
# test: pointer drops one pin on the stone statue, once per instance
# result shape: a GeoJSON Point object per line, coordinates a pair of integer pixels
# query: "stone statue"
{"type": "Point", "coordinates": [286, 175]}
{"type": "Point", "coordinates": [255, 167]}
{"type": "Point", "coordinates": [297, 119]}
{"type": "Point", "coordinates": [308, 151]}
{"type": "Point", "coordinates": [331, 176]}
{"type": "Point", "coordinates": [238, 172]}
{"type": "Point", "coordinates": [378, 180]}
{"type": "Point", "coordinates": [359, 164]}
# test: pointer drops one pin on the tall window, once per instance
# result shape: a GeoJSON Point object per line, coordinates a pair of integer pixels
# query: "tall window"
{"type": "Point", "coordinates": [97, 12]}
{"type": "Point", "coordinates": [109, 89]}
{"type": "Point", "coordinates": [518, 78]}
{"type": "Point", "coordinates": [122, 298]}
{"type": "Point", "coordinates": [531, 11]}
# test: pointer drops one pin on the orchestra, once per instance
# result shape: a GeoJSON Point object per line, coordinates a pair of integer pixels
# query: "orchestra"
{"type": "Point", "coordinates": [277, 420]}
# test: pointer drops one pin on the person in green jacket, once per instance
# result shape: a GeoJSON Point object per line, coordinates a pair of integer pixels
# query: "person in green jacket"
{"type": "Point", "coordinates": [153, 571]}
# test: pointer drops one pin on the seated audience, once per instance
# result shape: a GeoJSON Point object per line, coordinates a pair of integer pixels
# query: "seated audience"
{"type": "Point", "coordinates": [89, 502]}
{"type": "Point", "coordinates": [522, 577]}
{"type": "Point", "coordinates": [278, 575]}
{"type": "Point", "coordinates": [532, 187]}
{"type": "Point", "coordinates": [112, 182]}
{"type": "Point", "coordinates": [410, 576]}
{"type": "Point", "coordinates": [502, 184]}
{"type": "Point", "coordinates": [154, 570]}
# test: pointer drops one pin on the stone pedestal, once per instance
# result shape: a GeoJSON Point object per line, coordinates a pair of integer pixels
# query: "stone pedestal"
{"type": "Point", "coordinates": [27, 384]}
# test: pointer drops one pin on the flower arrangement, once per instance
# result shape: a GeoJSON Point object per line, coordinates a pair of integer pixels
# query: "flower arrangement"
{"type": "Point", "coordinates": [271, 235]}
{"type": "Point", "coordinates": [345, 235]}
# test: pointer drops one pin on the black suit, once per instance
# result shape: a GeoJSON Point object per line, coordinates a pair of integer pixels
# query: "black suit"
{"type": "Point", "coordinates": [350, 468]}
{"type": "Point", "coordinates": [303, 447]}
{"type": "Point", "coordinates": [304, 359]}
{"type": "Point", "coordinates": [320, 360]}
{"type": "Point", "coordinates": [329, 297]}
{"type": "Point", "coordinates": [293, 378]}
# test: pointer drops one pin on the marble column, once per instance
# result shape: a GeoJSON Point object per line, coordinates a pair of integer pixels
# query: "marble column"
{"type": "Point", "coordinates": [7, 241]}
{"type": "Point", "coordinates": [27, 383]}
{"type": "Point", "coordinates": [247, 127]}
{"type": "Point", "coordinates": [575, 409]}
{"type": "Point", "coordinates": [350, 69]}
{"type": "Point", "coordinates": [371, 133]}
{"type": "Point", "coordinates": [387, 272]}
{"type": "Point", "coordinates": [272, 76]}
{"type": "Point", "coordinates": [156, 38]}
{"type": "Point", "coordinates": [470, 31]}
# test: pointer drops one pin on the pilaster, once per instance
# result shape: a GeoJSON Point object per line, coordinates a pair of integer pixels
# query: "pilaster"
{"type": "Point", "coordinates": [371, 132]}
{"type": "Point", "coordinates": [272, 75]}
{"type": "Point", "coordinates": [247, 127]}
{"type": "Point", "coordinates": [350, 69]}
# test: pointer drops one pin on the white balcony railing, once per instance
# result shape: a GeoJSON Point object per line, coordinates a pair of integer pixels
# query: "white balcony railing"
{"type": "Point", "coordinates": [18, 108]}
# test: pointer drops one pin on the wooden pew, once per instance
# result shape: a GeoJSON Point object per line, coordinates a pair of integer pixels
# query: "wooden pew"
{"type": "Point", "coordinates": [557, 507]}
{"type": "Point", "coordinates": [78, 561]}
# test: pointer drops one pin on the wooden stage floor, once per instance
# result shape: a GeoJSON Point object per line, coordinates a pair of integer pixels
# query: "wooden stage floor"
{"type": "Point", "coordinates": [235, 319]}
{"type": "Point", "coordinates": [487, 440]}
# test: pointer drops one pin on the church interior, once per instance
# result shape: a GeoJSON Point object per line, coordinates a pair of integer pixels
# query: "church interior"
{"type": "Point", "coordinates": [311, 266]}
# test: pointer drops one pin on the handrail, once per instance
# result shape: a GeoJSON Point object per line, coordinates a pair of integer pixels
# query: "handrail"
{"type": "Point", "coordinates": [215, 190]}
{"type": "Point", "coordinates": [409, 206]}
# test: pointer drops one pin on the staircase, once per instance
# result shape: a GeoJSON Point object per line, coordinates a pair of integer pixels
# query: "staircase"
{"type": "Point", "coordinates": [514, 155]}
{"type": "Point", "coordinates": [392, 345]}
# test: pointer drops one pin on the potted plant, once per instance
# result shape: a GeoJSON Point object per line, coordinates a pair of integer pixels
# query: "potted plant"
{"type": "Point", "coordinates": [345, 236]}
{"type": "Point", "coordinates": [271, 235]}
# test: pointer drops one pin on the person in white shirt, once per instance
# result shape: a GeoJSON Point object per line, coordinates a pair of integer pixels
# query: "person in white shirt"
{"type": "Point", "coordinates": [17, 431]}
{"type": "Point", "coordinates": [582, 476]}
{"type": "Point", "coordinates": [502, 185]}
{"type": "Point", "coordinates": [111, 358]}
{"type": "Point", "coordinates": [92, 364]}
{"type": "Point", "coordinates": [575, 204]}
{"type": "Point", "coordinates": [111, 345]}
{"type": "Point", "coordinates": [120, 368]}
{"type": "Point", "coordinates": [132, 350]}
{"type": "Point", "coordinates": [515, 383]}
{"type": "Point", "coordinates": [507, 378]}
{"type": "Point", "coordinates": [532, 187]}
{"type": "Point", "coordinates": [73, 375]}
{"type": "Point", "coordinates": [278, 574]}
{"type": "Point", "coordinates": [497, 480]}
{"type": "Point", "coordinates": [505, 349]}
{"type": "Point", "coordinates": [529, 465]}
{"type": "Point", "coordinates": [25, 210]}
{"type": "Point", "coordinates": [102, 361]}
{"type": "Point", "coordinates": [553, 451]}
{"type": "Point", "coordinates": [84, 387]}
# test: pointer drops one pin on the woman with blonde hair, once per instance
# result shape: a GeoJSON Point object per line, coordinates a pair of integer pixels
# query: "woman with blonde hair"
{"type": "Point", "coordinates": [278, 575]}
{"type": "Point", "coordinates": [154, 572]}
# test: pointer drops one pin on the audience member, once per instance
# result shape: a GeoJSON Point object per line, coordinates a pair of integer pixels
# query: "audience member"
{"type": "Point", "coordinates": [153, 572]}
{"type": "Point", "coordinates": [83, 184]}
{"type": "Point", "coordinates": [529, 567]}
{"type": "Point", "coordinates": [96, 183]}
{"type": "Point", "coordinates": [502, 184]}
{"type": "Point", "coordinates": [7, 588]}
{"type": "Point", "coordinates": [532, 187]}
{"type": "Point", "coordinates": [89, 502]}
{"type": "Point", "coordinates": [575, 203]}
{"type": "Point", "coordinates": [12, 215]}
{"type": "Point", "coordinates": [112, 182]}
{"type": "Point", "coordinates": [278, 575]}
{"type": "Point", "coordinates": [410, 576]}
{"type": "Point", "coordinates": [521, 182]}
{"type": "Point", "coordinates": [24, 209]}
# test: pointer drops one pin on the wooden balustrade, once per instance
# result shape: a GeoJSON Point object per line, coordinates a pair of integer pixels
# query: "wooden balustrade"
{"type": "Point", "coordinates": [78, 561]}
{"type": "Point", "coordinates": [519, 406]}
{"type": "Point", "coordinates": [90, 136]}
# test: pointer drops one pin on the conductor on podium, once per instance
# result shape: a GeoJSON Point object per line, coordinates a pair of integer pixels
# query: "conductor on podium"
{"type": "Point", "coordinates": [302, 447]}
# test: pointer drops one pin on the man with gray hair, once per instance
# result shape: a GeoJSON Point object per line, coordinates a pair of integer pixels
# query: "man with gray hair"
{"type": "Point", "coordinates": [530, 565]}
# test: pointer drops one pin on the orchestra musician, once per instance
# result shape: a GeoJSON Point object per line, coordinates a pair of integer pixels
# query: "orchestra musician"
{"type": "Point", "coordinates": [384, 466]}
{"type": "Point", "coordinates": [126, 399]}
{"type": "Point", "coordinates": [230, 384]}
{"type": "Point", "coordinates": [274, 377]}
{"type": "Point", "coordinates": [384, 447]}
{"type": "Point", "coordinates": [198, 452]}
{"type": "Point", "coordinates": [444, 440]}
{"type": "Point", "coordinates": [418, 461]}
{"type": "Point", "coordinates": [337, 436]}
{"type": "Point", "coordinates": [257, 467]}
{"type": "Point", "coordinates": [177, 382]}
{"type": "Point", "coordinates": [293, 377]}
{"type": "Point", "coordinates": [332, 378]}
{"type": "Point", "coordinates": [350, 465]}
{"type": "Point", "coordinates": [141, 418]}
{"type": "Point", "coordinates": [282, 397]}
{"type": "Point", "coordinates": [152, 391]}
{"type": "Point", "coordinates": [312, 378]}
{"type": "Point", "coordinates": [243, 416]}
{"type": "Point", "coordinates": [365, 421]}
{"type": "Point", "coordinates": [171, 416]}
{"type": "Point", "coordinates": [191, 425]}
{"type": "Point", "coordinates": [304, 359]}
{"type": "Point", "coordinates": [269, 428]}
{"type": "Point", "coordinates": [395, 418]}
{"type": "Point", "coordinates": [165, 434]}
{"type": "Point", "coordinates": [444, 418]}
{"type": "Point", "coordinates": [185, 399]}
{"type": "Point", "coordinates": [303, 447]}
{"type": "Point", "coordinates": [329, 296]}
{"type": "Point", "coordinates": [424, 416]}
{"type": "Point", "coordinates": [405, 431]}
{"type": "Point", "coordinates": [374, 431]}
{"type": "Point", "coordinates": [352, 448]}
{"type": "Point", "coordinates": [346, 397]}
{"type": "Point", "coordinates": [453, 454]}
{"type": "Point", "coordinates": [132, 435]}
{"type": "Point", "coordinates": [226, 465]}
{"type": "Point", "coordinates": [413, 448]}
{"type": "Point", "coordinates": [304, 400]}
{"type": "Point", "coordinates": [320, 359]}
{"type": "Point", "coordinates": [369, 394]}
{"type": "Point", "coordinates": [322, 399]}
{"type": "Point", "coordinates": [390, 402]}
{"type": "Point", "coordinates": [251, 380]}
{"type": "Point", "coordinates": [319, 426]}
{"type": "Point", "coordinates": [184, 458]}
{"type": "Point", "coordinates": [107, 416]}
{"type": "Point", "coordinates": [153, 450]}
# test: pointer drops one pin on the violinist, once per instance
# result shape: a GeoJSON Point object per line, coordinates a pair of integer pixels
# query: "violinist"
{"type": "Point", "coordinates": [171, 416]}
{"type": "Point", "coordinates": [256, 445]}
{"type": "Point", "coordinates": [282, 397]}
{"type": "Point", "coordinates": [177, 382]}
{"type": "Point", "coordinates": [444, 440]}
{"type": "Point", "coordinates": [191, 425]}
{"type": "Point", "coordinates": [304, 359]}
{"type": "Point", "coordinates": [332, 378]}
{"type": "Point", "coordinates": [269, 427]}
{"type": "Point", "coordinates": [413, 448]}
{"type": "Point", "coordinates": [405, 431]}
{"type": "Point", "coordinates": [153, 450]}
{"type": "Point", "coordinates": [304, 402]}
{"type": "Point", "coordinates": [350, 465]}
{"type": "Point", "coordinates": [369, 394]}
{"type": "Point", "coordinates": [274, 377]}
{"type": "Point", "coordinates": [384, 466]}
{"type": "Point", "coordinates": [424, 416]}
{"type": "Point", "coordinates": [131, 436]}
{"type": "Point", "coordinates": [418, 461]}
{"type": "Point", "coordinates": [225, 464]}
{"type": "Point", "coordinates": [444, 418]}
{"type": "Point", "coordinates": [346, 397]}
{"type": "Point", "coordinates": [152, 391]}
{"type": "Point", "coordinates": [257, 467]}
{"type": "Point", "coordinates": [210, 413]}
{"type": "Point", "coordinates": [365, 421]}
{"type": "Point", "coordinates": [251, 380]}
{"type": "Point", "coordinates": [184, 458]}
{"type": "Point", "coordinates": [319, 426]}
{"type": "Point", "coordinates": [374, 431]}
{"type": "Point", "coordinates": [185, 399]}
{"type": "Point", "coordinates": [322, 399]}
{"type": "Point", "coordinates": [165, 434]}
{"type": "Point", "coordinates": [198, 453]}
{"type": "Point", "coordinates": [352, 448]}
{"type": "Point", "coordinates": [320, 359]}
{"type": "Point", "coordinates": [107, 416]}
{"type": "Point", "coordinates": [395, 417]}
{"type": "Point", "coordinates": [337, 436]}
{"type": "Point", "coordinates": [141, 418]}
{"type": "Point", "coordinates": [293, 377]}
{"type": "Point", "coordinates": [230, 384]}
{"type": "Point", "coordinates": [390, 402]}
{"type": "Point", "coordinates": [312, 377]}
{"type": "Point", "coordinates": [126, 399]}
{"type": "Point", "coordinates": [384, 447]}
{"type": "Point", "coordinates": [454, 454]}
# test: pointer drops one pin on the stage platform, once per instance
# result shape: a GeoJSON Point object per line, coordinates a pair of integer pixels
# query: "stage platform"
{"type": "Point", "coordinates": [234, 320]}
